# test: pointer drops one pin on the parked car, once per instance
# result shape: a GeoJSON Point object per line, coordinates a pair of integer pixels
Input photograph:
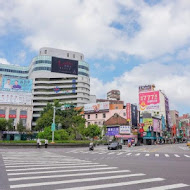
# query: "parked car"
{"type": "Point", "coordinates": [114, 146]}
{"type": "Point", "coordinates": [188, 143]}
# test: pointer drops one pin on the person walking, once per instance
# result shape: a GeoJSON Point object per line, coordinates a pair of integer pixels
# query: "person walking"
{"type": "Point", "coordinates": [46, 143]}
{"type": "Point", "coordinates": [38, 143]}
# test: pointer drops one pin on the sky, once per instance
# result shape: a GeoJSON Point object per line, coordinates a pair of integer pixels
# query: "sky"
{"type": "Point", "coordinates": [127, 43]}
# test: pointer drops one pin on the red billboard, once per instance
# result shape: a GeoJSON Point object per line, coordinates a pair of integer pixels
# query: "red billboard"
{"type": "Point", "coordinates": [149, 101]}
{"type": "Point", "coordinates": [128, 112]}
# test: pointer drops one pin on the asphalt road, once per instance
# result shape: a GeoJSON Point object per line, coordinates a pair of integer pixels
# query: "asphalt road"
{"type": "Point", "coordinates": [156, 167]}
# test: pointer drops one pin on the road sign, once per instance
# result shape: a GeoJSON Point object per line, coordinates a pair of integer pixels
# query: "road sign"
{"type": "Point", "coordinates": [53, 127]}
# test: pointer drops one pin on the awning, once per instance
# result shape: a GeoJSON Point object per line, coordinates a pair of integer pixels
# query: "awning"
{"type": "Point", "coordinates": [126, 136]}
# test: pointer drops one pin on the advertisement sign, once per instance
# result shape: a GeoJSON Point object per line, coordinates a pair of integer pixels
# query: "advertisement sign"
{"type": "Point", "coordinates": [156, 125]}
{"type": "Point", "coordinates": [96, 107]}
{"type": "Point", "coordinates": [67, 66]}
{"type": "Point", "coordinates": [148, 124]}
{"type": "Point", "coordinates": [112, 131]}
{"type": "Point", "coordinates": [145, 88]}
{"type": "Point", "coordinates": [125, 129]}
{"type": "Point", "coordinates": [15, 98]}
{"type": "Point", "coordinates": [149, 101]}
{"type": "Point", "coordinates": [128, 111]}
{"type": "Point", "coordinates": [16, 84]}
{"type": "Point", "coordinates": [134, 114]}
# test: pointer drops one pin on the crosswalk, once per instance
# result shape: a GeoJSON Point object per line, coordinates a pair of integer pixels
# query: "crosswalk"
{"type": "Point", "coordinates": [45, 170]}
{"type": "Point", "coordinates": [135, 154]}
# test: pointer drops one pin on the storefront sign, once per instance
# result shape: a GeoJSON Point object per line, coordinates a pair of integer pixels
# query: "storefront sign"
{"type": "Point", "coordinates": [125, 129]}
{"type": "Point", "coordinates": [112, 131]}
{"type": "Point", "coordinates": [23, 116]}
{"type": "Point", "coordinates": [156, 125]}
{"type": "Point", "coordinates": [128, 111]}
{"type": "Point", "coordinates": [2, 115]}
{"type": "Point", "coordinates": [148, 124]}
{"type": "Point", "coordinates": [126, 136]}
{"type": "Point", "coordinates": [12, 115]}
{"type": "Point", "coordinates": [149, 101]}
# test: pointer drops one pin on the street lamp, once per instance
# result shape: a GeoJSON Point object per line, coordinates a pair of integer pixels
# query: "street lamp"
{"type": "Point", "coordinates": [53, 124]}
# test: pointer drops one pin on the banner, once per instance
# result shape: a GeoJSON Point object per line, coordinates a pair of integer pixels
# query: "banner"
{"type": "Point", "coordinates": [134, 114]}
{"type": "Point", "coordinates": [16, 84]}
{"type": "Point", "coordinates": [112, 131]}
{"type": "Point", "coordinates": [156, 125]}
{"type": "Point", "coordinates": [15, 98]}
{"type": "Point", "coordinates": [96, 107]}
{"type": "Point", "coordinates": [149, 101]}
{"type": "Point", "coordinates": [128, 111]}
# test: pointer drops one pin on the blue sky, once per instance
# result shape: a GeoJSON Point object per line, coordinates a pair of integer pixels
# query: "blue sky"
{"type": "Point", "coordinates": [126, 42]}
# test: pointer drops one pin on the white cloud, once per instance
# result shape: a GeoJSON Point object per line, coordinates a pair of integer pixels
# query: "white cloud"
{"type": "Point", "coordinates": [4, 61]}
{"type": "Point", "coordinates": [172, 79]}
{"type": "Point", "coordinates": [86, 26]}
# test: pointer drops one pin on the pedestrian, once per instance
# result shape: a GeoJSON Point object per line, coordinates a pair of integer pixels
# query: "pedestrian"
{"type": "Point", "coordinates": [38, 143]}
{"type": "Point", "coordinates": [46, 143]}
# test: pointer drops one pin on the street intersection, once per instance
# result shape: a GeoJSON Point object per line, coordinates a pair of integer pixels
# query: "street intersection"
{"type": "Point", "coordinates": [135, 168]}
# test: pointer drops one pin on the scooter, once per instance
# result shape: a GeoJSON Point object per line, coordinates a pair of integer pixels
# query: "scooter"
{"type": "Point", "coordinates": [91, 147]}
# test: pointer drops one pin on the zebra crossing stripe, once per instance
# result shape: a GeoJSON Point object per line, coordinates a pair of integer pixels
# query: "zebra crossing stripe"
{"type": "Point", "coordinates": [57, 167]}
{"type": "Point", "coordinates": [45, 165]}
{"type": "Point", "coordinates": [62, 171]}
{"type": "Point", "coordinates": [166, 155]}
{"type": "Point", "coordinates": [111, 153]}
{"type": "Point", "coordinates": [166, 187]}
{"type": "Point", "coordinates": [115, 184]}
{"type": "Point", "coordinates": [176, 155]}
{"type": "Point", "coordinates": [187, 156]}
{"type": "Point", "coordinates": [157, 155]}
{"type": "Point", "coordinates": [128, 154]}
{"type": "Point", "coordinates": [67, 175]}
{"type": "Point", "coordinates": [147, 154]}
{"type": "Point", "coordinates": [120, 153]}
{"type": "Point", "coordinates": [74, 181]}
{"type": "Point", "coordinates": [137, 154]}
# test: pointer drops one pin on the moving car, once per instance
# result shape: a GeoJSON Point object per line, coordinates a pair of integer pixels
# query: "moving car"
{"type": "Point", "coordinates": [114, 146]}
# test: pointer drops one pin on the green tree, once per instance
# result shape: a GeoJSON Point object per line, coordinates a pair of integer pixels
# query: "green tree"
{"type": "Point", "coordinates": [20, 126]}
{"type": "Point", "coordinates": [3, 123]}
{"type": "Point", "coordinates": [9, 125]}
{"type": "Point", "coordinates": [46, 134]}
{"type": "Point", "coordinates": [92, 131]}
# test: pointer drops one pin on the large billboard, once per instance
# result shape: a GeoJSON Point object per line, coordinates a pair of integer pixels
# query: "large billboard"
{"type": "Point", "coordinates": [67, 66]}
{"type": "Point", "coordinates": [15, 98]}
{"type": "Point", "coordinates": [148, 124]}
{"type": "Point", "coordinates": [146, 88]}
{"type": "Point", "coordinates": [112, 131]}
{"type": "Point", "coordinates": [149, 101]}
{"type": "Point", "coordinates": [16, 84]}
{"type": "Point", "coordinates": [96, 107]}
{"type": "Point", "coordinates": [134, 114]}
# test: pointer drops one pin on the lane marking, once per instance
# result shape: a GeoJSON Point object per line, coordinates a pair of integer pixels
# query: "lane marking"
{"type": "Point", "coordinates": [187, 156]}
{"type": "Point", "coordinates": [111, 153]}
{"type": "Point", "coordinates": [74, 181]}
{"type": "Point", "coordinates": [120, 153]}
{"type": "Point", "coordinates": [128, 154]}
{"type": "Point", "coordinates": [176, 155]}
{"type": "Point", "coordinates": [67, 175]}
{"type": "Point", "coordinates": [165, 187]}
{"type": "Point", "coordinates": [61, 171]}
{"type": "Point", "coordinates": [157, 155]}
{"type": "Point", "coordinates": [147, 154]}
{"type": "Point", "coordinates": [115, 184]}
{"type": "Point", "coordinates": [137, 154]}
{"type": "Point", "coordinates": [47, 168]}
{"type": "Point", "coordinates": [166, 155]}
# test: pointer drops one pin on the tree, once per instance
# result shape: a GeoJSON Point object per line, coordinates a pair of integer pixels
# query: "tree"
{"type": "Point", "coordinates": [9, 125]}
{"type": "Point", "coordinates": [20, 126]}
{"type": "Point", "coordinates": [92, 131]}
{"type": "Point", "coordinates": [3, 123]}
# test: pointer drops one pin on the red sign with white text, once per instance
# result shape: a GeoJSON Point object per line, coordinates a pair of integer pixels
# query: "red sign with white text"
{"type": "Point", "coordinates": [149, 101]}
{"type": "Point", "coordinates": [2, 115]}
{"type": "Point", "coordinates": [23, 116]}
{"type": "Point", "coordinates": [128, 112]}
{"type": "Point", "coordinates": [12, 116]}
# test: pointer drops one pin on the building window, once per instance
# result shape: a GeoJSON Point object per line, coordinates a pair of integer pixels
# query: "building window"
{"type": "Point", "coordinates": [45, 51]}
{"type": "Point", "coordinates": [96, 115]}
{"type": "Point", "coordinates": [116, 107]}
{"type": "Point", "coordinates": [124, 114]}
{"type": "Point", "coordinates": [95, 123]}
{"type": "Point", "coordinates": [81, 57]}
{"type": "Point", "coordinates": [88, 123]}
{"type": "Point", "coordinates": [104, 115]}
{"type": "Point", "coordinates": [88, 116]}
{"type": "Point", "coordinates": [73, 55]}
{"type": "Point", "coordinates": [67, 54]}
